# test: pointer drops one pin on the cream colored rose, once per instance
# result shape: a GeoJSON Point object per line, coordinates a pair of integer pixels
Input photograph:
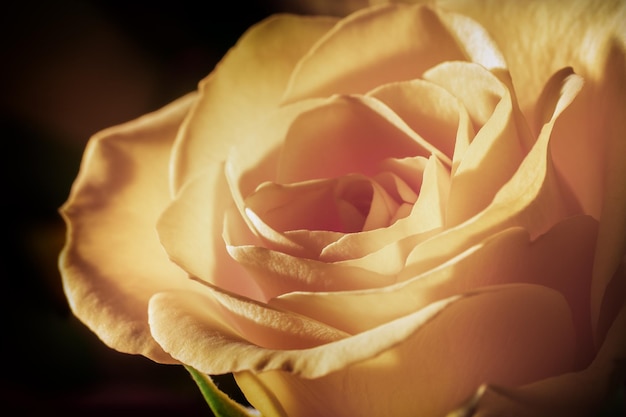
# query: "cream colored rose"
{"type": "Point", "coordinates": [383, 215]}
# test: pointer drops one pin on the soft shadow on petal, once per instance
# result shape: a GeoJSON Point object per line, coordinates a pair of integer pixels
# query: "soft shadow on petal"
{"type": "Point", "coordinates": [561, 259]}
{"type": "Point", "coordinates": [590, 37]}
{"type": "Point", "coordinates": [534, 199]}
{"type": "Point", "coordinates": [612, 239]}
{"type": "Point", "coordinates": [491, 335]}
{"type": "Point", "coordinates": [188, 324]}
{"type": "Point", "coordinates": [578, 394]}
{"type": "Point", "coordinates": [496, 151]}
{"type": "Point", "coordinates": [257, 69]}
{"type": "Point", "coordinates": [112, 262]}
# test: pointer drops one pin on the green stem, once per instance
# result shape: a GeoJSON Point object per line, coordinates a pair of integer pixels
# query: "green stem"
{"type": "Point", "coordinates": [220, 403]}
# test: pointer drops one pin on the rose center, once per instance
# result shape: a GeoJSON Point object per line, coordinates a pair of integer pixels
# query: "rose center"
{"type": "Point", "coordinates": [346, 204]}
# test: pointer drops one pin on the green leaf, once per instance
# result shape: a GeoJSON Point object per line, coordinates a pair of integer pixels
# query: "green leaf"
{"type": "Point", "coordinates": [219, 402]}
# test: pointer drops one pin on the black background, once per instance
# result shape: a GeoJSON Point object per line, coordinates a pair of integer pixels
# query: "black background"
{"type": "Point", "coordinates": [69, 69]}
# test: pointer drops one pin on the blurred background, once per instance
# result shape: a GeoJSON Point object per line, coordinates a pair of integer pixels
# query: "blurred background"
{"type": "Point", "coordinates": [71, 68]}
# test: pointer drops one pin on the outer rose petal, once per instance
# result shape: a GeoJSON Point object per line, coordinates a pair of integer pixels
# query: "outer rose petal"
{"type": "Point", "coordinates": [595, 48]}
{"type": "Point", "coordinates": [363, 60]}
{"type": "Point", "coordinates": [257, 69]}
{"type": "Point", "coordinates": [112, 262]}
{"type": "Point", "coordinates": [576, 394]}
{"type": "Point", "coordinates": [491, 335]}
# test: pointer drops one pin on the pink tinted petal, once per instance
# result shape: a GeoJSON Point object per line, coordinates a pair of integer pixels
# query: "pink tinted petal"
{"type": "Point", "coordinates": [491, 335]}
{"type": "Point", "coordinates": [314, 205]}
{"type": "Point", "coordinates": [191, 228]}
{"type": "Point", "coordinates": [347, 135]}
{"type": "Point", "coordinates": [415, 40]}
{"type": "Point", "coordinates": [423, 220]}
{"type": "Point", "coordinates": [257, 68]}
{"type": "Point", "coordinates": [307, 205]}
{"type": "Point", "coordinates": [112, 262]}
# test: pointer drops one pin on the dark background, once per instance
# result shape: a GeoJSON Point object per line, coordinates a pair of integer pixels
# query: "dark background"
{"type": "Point", "coordinates": [70, 68]}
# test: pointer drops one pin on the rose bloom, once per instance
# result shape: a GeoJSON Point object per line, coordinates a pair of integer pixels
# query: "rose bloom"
{"type": "Point", "coordinates": [410, 211]}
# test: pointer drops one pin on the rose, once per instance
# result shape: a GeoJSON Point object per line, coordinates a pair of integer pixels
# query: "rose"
{"type": "Point", "coordinates": [380, 215]}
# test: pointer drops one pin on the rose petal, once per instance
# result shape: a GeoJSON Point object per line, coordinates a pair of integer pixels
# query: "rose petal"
{"type": "Point", "coordinates": [278, 273]}
{"type": "Point", "coordinates": [188, 324]}
{"type": "Point", "coordinates": [431, 111]}
{"type": "Point", "coordinates": [410, 169]}
{"type": "Point", "coordinates": [500, 142]}
{"type": "Point", "coordinates": [475, 41]}
{"type": "Point", "coordinates": [344, 137]}
{"type": "Point", "coordinates": [112, 262]}
{"type": "Point", "coordinates": [612, 239]}
{"type": "Point", "coordinates": [258, 68]}
{"type": "Point", "coordinates": [596, 41]}
{"type": "Point", "coordinates": [362, 59]}
{"type": "Point", "coordinates": [577, 394]}
{"type": "Point", "coordinates": [589, 23]}
{"type": "Point", "coordinates": [507, 257]}
{"type": "Point", "coordinates": [426, 216]}
{"type": "Point", "coordinates": [396, 187]}
{"type": "Point", "coordinates": [534, 199]}
{"type": "Point", "coordinates": [190, 230]}
{"type": "Point", "coordinates": [245, 170]}
{"type": "Point", "coordinates": [316, 205]}
{"type": "Point", "coordinates": [492, 336]}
